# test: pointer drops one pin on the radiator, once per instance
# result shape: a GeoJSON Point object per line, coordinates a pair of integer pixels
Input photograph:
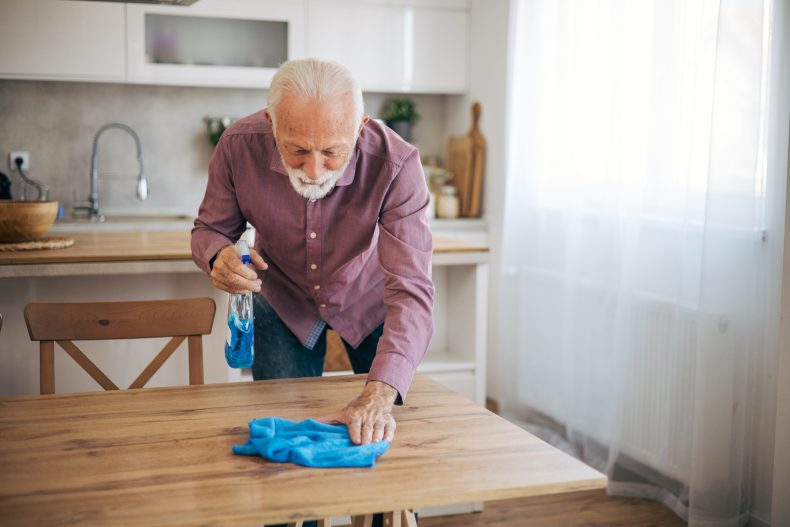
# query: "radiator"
{"type": "Point", "coordinates": [660, 371]}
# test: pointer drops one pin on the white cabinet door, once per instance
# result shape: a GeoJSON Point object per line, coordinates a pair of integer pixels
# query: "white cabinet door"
{"type": "Point", "coordinates": [53, 39]}
{"type": "Point", "coordinates": [234, 43]}
{"type": "Point", "coordinates": [367, 39]}
{"type": "Point", "coordinates": [392, 48]}
{"type": "Point", "coordinates": [440, 51]}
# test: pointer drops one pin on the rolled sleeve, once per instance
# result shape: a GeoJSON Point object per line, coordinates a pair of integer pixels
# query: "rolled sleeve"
{"type": "Point", "coordinates": [220, 221]}
{"type": "Point", "coordinates": [405, 249]}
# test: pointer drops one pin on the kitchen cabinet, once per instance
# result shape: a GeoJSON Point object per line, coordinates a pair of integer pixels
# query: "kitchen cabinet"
{"type": "Point", "coordinates": [439, 50]}
{"type": "Point", "coordinates": [235, 43]}
{"type": "Point", "coordinates": [56, 40]}
{"type": "Point", "coordinates": [393, 47]}
{"type": "Point", "coordinates": [457, 354]}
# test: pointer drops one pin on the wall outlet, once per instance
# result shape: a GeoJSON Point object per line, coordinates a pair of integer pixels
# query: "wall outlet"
{"type": "Point", "coordinates": [25, 160]}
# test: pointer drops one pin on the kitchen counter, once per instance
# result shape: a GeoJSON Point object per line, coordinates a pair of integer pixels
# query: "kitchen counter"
{"type": "Point", "coordinates": [105, 266]}
{"type": "Point", "coordinates": [154, 251]}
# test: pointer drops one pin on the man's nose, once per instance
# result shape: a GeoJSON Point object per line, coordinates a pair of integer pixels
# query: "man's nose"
{"type": "Point", "coordinates": [314, 166]}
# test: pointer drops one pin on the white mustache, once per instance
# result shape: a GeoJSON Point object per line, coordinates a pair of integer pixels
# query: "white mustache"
{"type": "Point", "coordinates": [313, 189]}
{"type": "Point", "coordinates": [326, 176]}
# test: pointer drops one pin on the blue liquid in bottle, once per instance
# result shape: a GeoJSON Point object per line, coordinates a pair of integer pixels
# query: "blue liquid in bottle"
{"type": "Point", "coordinates": [238, 346]}
{"type": "Point", "coordinates": [239, 349]}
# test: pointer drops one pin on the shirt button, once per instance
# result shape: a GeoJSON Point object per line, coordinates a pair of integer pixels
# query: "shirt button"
{"type": "Point", "coordinates": [316, 287]}
{"type": "Point", "coordinates": [313, 267]}
{"type": "Point", "coordinates": [322, 305]}
{"type": "Point", "coordinates": [313, 235]}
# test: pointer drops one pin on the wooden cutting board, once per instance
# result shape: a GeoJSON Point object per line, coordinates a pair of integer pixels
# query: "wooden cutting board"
{"type": "Point", "coordinates": [465, 160]}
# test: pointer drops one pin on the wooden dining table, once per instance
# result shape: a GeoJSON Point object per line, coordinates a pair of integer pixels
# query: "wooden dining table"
{"type": "Point", "coordinates": [162, 456]}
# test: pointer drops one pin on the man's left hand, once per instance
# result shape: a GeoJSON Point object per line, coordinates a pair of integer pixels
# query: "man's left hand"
{"type": "Point", "coordinates": [369, 416]}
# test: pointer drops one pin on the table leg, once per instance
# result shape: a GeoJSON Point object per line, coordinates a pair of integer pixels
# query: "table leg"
{"type": "Point", "coordinates": [401, 518]}
{"type": "Point", "coordinates": [408, 519]}
{"type": "Point", "coordinates": [322, 522]}
{"type": "Point", "coordinates": [392, 519]}
{"type": "Point", "coordinates": [362, 521]}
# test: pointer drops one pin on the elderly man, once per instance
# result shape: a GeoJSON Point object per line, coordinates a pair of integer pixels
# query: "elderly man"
{"type": "Point", "coordinates": [342, 241]}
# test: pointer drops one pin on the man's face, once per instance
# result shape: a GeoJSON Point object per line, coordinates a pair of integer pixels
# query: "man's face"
{"type": "Point", "coordinates": [315, 140]}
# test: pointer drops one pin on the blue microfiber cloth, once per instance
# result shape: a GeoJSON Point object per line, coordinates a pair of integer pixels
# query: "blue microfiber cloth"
{"type": "Point", "coordinates": [308, 443]}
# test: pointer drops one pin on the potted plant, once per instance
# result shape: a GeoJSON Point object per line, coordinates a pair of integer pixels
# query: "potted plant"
{"type": "Point", "coordinates": [216, 126]}
{"type": "Point", "coordinates": [400, 114]}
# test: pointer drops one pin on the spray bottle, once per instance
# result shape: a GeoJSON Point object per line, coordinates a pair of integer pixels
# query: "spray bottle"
{"type": "Point", "coordinates": [239, 349]}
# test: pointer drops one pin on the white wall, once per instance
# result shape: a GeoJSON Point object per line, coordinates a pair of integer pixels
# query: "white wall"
{"type": "Point", "coordinates": [488, 50]}
{"type": "Point", "coordinates": [780, 510]}
{"type": "Point", "coordinates": [780, 505]}
{"type": "Point", "coordinates": [771, 448]}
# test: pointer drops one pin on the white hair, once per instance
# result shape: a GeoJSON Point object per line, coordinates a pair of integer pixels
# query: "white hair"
{"type": "Point", "coordinates": [315, 80]}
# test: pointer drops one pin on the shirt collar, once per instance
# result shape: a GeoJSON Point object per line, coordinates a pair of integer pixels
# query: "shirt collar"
{"type": "Point", "coordinates": [277, 163]}
{"type": "Point", "coordinates": [351, 169]}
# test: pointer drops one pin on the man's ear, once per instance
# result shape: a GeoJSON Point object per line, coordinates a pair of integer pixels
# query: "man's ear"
{"type": "Point", "coordinates": [269, 116]}
{"type": "Point", "coordinates": [362, 123]}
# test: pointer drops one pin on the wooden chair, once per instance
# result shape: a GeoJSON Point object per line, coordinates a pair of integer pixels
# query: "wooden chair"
{"type": "Point", "coordinates": [336, 358]}
{"type": "Point", "coordinates": [62, 322]}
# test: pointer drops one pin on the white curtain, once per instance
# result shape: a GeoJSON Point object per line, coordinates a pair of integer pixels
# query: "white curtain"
{"type": "Point", "coordinates": [642, 233]}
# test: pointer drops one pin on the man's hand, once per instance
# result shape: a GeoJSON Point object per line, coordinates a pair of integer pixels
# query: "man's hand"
{"type": "Point", "coordinates": [229, 274]}
{"type": "Point", "coordinates": [369, 416]}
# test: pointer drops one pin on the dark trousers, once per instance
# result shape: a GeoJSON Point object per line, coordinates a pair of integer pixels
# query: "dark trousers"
{"type": "Point", "coordinates": [280, 355]}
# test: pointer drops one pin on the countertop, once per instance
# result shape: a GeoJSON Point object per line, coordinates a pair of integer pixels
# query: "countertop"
{"type": "Point", "coordinates": [170, 250]}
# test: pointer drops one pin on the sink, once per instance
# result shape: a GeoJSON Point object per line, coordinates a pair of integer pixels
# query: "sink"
{"type": "Point", "coordinates": [125, 222]}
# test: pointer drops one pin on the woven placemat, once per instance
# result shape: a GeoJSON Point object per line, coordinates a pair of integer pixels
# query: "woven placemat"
{"type": "Point", "coordinates": [50, 242]}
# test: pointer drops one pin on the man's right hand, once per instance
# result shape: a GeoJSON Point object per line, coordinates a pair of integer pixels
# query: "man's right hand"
{"type": "Point", "coordinates": [232, 276]}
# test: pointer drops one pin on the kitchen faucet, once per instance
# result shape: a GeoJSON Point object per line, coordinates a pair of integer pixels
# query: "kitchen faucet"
{"type": "Point", "coordinates": [92, 203]}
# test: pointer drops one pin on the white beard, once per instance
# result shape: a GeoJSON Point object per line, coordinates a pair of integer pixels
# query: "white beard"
{"type": "Point", "coordinates": [314, 189]}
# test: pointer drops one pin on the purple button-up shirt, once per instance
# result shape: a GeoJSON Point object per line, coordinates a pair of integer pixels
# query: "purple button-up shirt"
{"type": "Point", "coordinates": [354, 259]}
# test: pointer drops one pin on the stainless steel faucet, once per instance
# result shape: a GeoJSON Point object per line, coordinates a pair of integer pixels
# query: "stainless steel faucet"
{"type": "Point", "coordinates": [92, 203]}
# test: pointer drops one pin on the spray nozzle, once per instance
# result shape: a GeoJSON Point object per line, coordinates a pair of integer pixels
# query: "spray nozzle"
{"type": "Point", "coordinates": [243, 251]}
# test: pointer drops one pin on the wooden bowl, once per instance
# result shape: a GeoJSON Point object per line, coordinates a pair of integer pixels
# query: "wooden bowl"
{"type": "Point", "coordinates": [22, 221]}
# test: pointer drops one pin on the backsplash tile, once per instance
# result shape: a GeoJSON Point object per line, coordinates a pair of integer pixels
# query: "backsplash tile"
{"type": "Point", "coordinates": [56, 122]}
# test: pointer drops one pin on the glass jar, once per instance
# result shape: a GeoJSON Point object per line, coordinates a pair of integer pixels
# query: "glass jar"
{"type": "Point", "coordinates": [430, 211]}
{"type": "Point", "coordinates": [447, 205]}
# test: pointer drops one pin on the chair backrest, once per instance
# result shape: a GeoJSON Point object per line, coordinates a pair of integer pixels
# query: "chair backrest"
{"type": "Point", "coordinates": [62, 322]}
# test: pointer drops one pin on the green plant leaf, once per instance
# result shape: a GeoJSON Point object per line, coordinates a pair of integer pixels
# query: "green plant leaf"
{"type": "Point", "coordinates": [400, 109]}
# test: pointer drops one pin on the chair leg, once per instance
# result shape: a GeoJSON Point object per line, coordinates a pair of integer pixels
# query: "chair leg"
{"type": "Point", "coordinates": [296, 524]}
{"type": "Point", "coordinates": [47, 366]}
{"type": "Point", "coordinates": [325, 522]}
{"type": "Point", "coordinates": [195, 346]}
